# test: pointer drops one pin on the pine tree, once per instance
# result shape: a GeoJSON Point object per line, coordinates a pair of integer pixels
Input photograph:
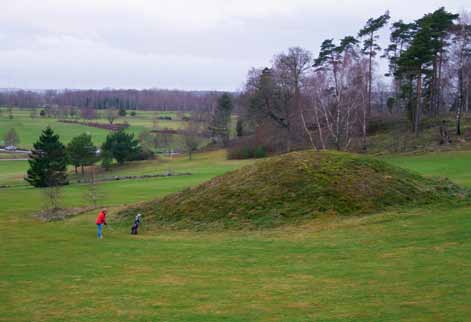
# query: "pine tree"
{"type": "Point", "coordinates": [48, 161]}
{"type": "Point", "coordinates": [81, 151]}
{"type": "Point", "coordinates": [121, 146]}
{"type": "Point", "coordinates": [371, 46]}
{"type": "Point", "coordinates": [401, 36]}
{"type": "Point", "coordinates": [421, 63]}
{"type": "Point", "coordinates": [412, 65]}
{"type": "Point", "coordinates": [438, 23]}
{"type": "Point", "coordinates": [462, 39]}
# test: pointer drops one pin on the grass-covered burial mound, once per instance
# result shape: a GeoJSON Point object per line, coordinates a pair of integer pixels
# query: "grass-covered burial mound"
{"type": "Point", "coordinates": [293, 188]}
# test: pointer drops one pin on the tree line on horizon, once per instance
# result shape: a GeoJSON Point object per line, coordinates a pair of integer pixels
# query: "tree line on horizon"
{"type": "Point", "coordinates": [128, 99]}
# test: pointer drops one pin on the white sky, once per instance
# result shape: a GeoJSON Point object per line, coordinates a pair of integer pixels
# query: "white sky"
{"type": "Point", "coordinates": [205, 44]}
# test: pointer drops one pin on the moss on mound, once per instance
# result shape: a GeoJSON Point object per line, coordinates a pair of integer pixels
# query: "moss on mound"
{"type": "Point", "coordinates": [292, 188]}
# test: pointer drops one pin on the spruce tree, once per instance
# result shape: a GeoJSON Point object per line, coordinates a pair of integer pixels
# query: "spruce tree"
{"type": "Point", "coordinates": [222, 118]}
{"type": "Point", "coordinates": [48, 161]}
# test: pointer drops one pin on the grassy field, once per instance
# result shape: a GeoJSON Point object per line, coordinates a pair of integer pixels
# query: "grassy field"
{"type": "Point", "coordinates": [411, 265]}
{"type": "Point", "coordinates": [453, 165]}
{"type": "Point", "coordinates": [29, 129]}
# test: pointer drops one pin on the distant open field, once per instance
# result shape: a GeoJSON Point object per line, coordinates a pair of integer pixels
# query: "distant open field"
{"type": "Point", "coordinates": [29, 129]}
{"type": "Point", "coordinates": [408, 265]}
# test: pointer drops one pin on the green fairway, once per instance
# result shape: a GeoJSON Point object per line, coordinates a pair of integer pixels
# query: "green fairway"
{"type": "Point", "coordinates": [453, 165]}
{"type": "Point", "coordinates": [12, 172]}
{"type": "Point", "coordinates": [412, 265]}
{"type": "Point", "coordinates": [117, 193]}
{"type": "Point", "coordinates": [29, 128]}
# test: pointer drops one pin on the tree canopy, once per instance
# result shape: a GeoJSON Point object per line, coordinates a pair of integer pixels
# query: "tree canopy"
{"type": "Point", "coordinates": [121, 146]}
{"type": "Point", "coordinates": [82, 151]}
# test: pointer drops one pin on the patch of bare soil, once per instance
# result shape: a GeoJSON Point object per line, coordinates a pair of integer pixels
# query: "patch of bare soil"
{"type": "Point", "coordinates": [61, 213]}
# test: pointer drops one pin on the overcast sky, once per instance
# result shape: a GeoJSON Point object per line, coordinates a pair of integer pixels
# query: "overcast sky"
{"type": "Point", "coordinates": [185, 44]}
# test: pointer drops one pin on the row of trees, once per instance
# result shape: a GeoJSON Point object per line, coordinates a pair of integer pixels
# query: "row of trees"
{"type": "Point", "coordinates": [49, 157]}
{"type": "Point", "coordinates": [152, 99]}
{"type": "Point", "coordinates": [328, 100]}
{"type": "Point", "coordinates": [428, 58]}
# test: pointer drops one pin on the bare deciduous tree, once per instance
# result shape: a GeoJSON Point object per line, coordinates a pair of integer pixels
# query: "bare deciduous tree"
{"type": "Point", "coordinates": [111, 115]}
{"type": "Point", "coordinates": [92, 193]}
{"type": "Point", "coordinates": [52, 197]}
{"type": "Point", "coordinates": [192, 136]}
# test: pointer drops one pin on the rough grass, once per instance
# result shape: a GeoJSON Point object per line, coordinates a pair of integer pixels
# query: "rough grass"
{"type": "Point", "coordinates": [395, 135]}
{"type": "Point", "coordinates": [293, 188]}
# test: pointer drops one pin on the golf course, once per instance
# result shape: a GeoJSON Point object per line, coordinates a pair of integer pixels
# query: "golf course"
{"type": "Point", "coordinates": [404, 263]}
{"type": "Point", "coordinates": [235, 161]}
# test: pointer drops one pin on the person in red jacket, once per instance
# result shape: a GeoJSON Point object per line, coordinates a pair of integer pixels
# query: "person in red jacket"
{"type": "Point", "coordinates": [100, 221]}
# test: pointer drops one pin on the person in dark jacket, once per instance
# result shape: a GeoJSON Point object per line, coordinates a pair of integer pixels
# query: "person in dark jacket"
{"type": "Point", "coordinates": [135, 226]}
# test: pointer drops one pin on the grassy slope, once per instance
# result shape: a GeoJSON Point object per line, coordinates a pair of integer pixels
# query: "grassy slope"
{"type": "Point", "coordinates": [408, 266]}
{"type": "Point", "coordinates": [295, 187]}
{"type": "Point", "coordinates": [395, 136]}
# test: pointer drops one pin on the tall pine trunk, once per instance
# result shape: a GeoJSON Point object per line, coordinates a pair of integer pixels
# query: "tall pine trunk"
{"type": "Point", "coordinates": [370, 79]}
{"type": "Point", "coordinates": [461, 102]}
{"type": "Point", "coordinates": [418, 108]}
{"type": "Point", "coordinates": [439, 83]}
{"type": "Point", "coordinates": [433, 87]}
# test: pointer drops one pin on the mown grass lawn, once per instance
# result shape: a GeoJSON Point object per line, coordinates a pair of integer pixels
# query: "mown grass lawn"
{"type": "Point", "coordinates": [453, 165]}
{"type": "Point", "coordinates": [411, 265]}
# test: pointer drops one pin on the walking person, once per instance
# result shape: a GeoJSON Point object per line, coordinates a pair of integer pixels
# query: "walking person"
{"type": "Point", "coordinates": [135, 226]}
{"type": "Point", "coordinates": [100, 221]}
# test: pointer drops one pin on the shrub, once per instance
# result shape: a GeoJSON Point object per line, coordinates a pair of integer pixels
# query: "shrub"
{"type": "Point", "coordinates": [246, 152]}
{"type": "Point", "coordinates": [122, 112]}
{"type": "Point", "coordinates": [106, 161]}
{"type": "Point", "coordinates": [260, 152]}
{"type": "Point", "coordinates": [165, 118]}
{"type": "Point", "coordinates": [248, 148]}
{"type": "Point", "coordinates": [142, 154]}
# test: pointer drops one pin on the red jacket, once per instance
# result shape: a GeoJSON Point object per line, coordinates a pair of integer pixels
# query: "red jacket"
{"type": "Point", "coordinates": [101, 219]}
